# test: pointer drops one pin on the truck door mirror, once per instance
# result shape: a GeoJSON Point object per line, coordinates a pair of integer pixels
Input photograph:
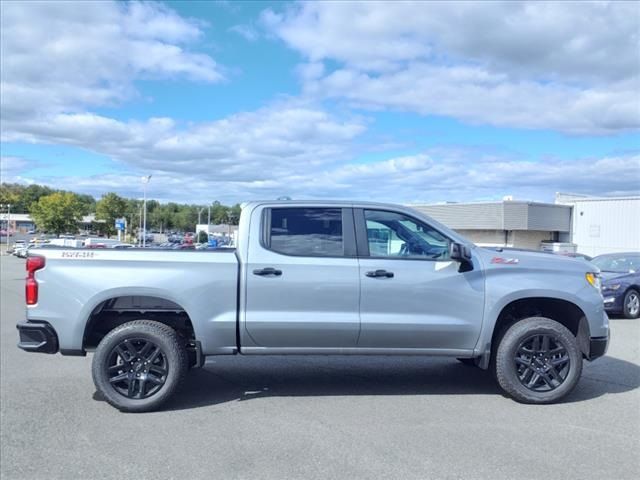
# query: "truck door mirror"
{"type": "Point", "coordinates": [461, 253]}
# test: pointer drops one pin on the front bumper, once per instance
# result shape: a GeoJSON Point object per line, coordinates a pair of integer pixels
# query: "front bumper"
{"type": "Point", "coordinates": [612, 302]}
{"type": "Point", "coordinates": [598, 346]}
{"type": "Point", "coordinates": [37, 337]}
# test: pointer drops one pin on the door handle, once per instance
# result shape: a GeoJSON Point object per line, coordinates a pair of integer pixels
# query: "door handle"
{"type": "Point", "coordinates": [267, 271]}
{"type": "Point", "coordinates": [379, 273]}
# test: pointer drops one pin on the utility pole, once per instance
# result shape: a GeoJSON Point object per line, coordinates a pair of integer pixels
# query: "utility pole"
{"type": "Point", "coordinates": [145, 180]}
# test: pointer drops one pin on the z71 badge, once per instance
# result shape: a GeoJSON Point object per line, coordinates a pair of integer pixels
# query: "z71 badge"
{"type": "Point", "coordinates": [505, 261]}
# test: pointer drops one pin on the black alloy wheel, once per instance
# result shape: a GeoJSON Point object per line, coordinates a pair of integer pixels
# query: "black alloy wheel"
{"type": "Point", "coordinates": [542, 363]}
{"type": "Point", "coordinates": [137, 368]}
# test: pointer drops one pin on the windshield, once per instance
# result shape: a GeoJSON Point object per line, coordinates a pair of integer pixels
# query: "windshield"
{"type": "Point", "coordinates": [618, 264]}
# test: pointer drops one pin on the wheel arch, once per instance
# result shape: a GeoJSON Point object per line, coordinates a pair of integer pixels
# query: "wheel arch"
{"type": "Point", "coordinates": [100, 316]}
{"type": "Point", "coordinates": [565, 311]}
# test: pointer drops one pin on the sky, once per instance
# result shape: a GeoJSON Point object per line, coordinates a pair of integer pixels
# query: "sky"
{"type": "Point", "coordinates": [403, 102]}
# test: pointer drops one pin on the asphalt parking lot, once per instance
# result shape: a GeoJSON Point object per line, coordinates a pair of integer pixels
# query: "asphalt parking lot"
{"type": "Point", "coordinates": [315, 417]}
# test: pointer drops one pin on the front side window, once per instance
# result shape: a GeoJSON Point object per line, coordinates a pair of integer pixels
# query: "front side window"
{"type": "Point", "coordinates": [306, 232]}
{"type": "Point", "coordinates": [393, 234]}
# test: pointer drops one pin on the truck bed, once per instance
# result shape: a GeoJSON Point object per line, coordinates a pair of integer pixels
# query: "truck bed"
{"type": "Point", "coordinates": [76, 284]}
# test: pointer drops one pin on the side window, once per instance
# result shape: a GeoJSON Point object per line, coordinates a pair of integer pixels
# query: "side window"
{"type": "Point", "coordinates": [392, 234]}
{"type": "Point", "coordinates": [313, 232]}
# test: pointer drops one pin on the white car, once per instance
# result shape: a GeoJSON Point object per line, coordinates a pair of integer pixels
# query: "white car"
{"type": "Point", "coordinates": [16, 246]}
{"type": "Point", "coordinates": [21, 251]}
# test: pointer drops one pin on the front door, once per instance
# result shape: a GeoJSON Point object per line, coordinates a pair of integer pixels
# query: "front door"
{"type": "Point", "coordinates": [412, 294]}
{"type": "Point", "coordinates": [302, 279]}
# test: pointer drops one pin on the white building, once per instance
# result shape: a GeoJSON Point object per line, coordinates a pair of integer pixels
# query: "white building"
{"type": "Point", "coordinates": [603, 224]}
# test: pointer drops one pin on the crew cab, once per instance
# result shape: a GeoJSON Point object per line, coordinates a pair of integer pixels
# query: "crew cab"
{"type": "Point", "coordinates": [330, 278]}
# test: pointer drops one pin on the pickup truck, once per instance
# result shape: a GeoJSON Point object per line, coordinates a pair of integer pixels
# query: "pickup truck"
{"type": "Point", "coordinates": [329, 278]}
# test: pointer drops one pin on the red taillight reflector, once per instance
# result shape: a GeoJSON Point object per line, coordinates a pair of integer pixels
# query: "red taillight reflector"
{"type": "Point", "coordinates": [31, 287]}
{"type": "Point", "coordinates": [31, 291]}
{"type": "Point", "coordinates": [34, 263]}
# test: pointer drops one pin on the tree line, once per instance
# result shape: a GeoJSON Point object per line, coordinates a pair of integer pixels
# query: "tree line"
{"type": "Point", "coordinates": [60, 211]}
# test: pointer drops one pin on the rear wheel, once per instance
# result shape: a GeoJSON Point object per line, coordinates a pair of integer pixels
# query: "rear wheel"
{"type": "Point", "coordinates": [538, 361]}
{"type": "Point", "coordinates": [631, 304]}
{"type": "Point", "coordinates": [139, 365]}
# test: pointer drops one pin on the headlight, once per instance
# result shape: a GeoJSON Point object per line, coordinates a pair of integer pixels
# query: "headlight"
{"type": "Point", "coordinates": [614, 286]}
{"type": "Point", "coordinates": [593, 279]}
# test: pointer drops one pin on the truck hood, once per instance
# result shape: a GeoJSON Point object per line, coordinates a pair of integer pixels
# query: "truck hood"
{"type": "Point", "coordinates": [528, 259]}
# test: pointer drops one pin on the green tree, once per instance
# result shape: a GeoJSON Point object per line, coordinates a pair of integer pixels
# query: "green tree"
{"type": "Point", "coordinates": [11, 196]}
{"type": "Point", "coordinates": [234, 214]}
{"type": "Point", "coordinates": [203, 237]}
{"type": "Point", "coordinates": [219, 213]}
{"type": "Point", "coordinates": [88, 204]}
{"type": "Point", "coordinates": [57, 213]}
{"type": "Point", "coordinates": [108, 208]}
{"type": "Point", "coordinates": [32, 194]}
{"type": "Point", "coordinates": [186, 218]}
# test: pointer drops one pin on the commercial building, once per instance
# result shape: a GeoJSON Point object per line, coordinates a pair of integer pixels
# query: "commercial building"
{"type": "Point", "coordinates": [23, 223]}
{"type": "Point", "coordinates": [16, 222]}
{"type": "Point", "coordinates": [504, 224]}
{"type": "Point", "coordinates": [588, 225]}
{"type": "Point", "coordinates": [603, 224]}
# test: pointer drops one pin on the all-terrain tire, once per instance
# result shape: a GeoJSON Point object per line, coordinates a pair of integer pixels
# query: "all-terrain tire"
{"type": "Point", "coordinates": [515, 370]}
{"type": "Point", "coordinates": [115, 358]}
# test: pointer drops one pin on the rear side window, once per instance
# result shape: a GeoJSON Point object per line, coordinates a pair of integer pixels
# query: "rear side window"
{"type": "Point", "coordinates": [312, 232]}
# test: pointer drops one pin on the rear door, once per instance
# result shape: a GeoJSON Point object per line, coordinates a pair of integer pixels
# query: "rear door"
{"type": "Point", "coordinates": [412, 294]}
{"type": "Point", "coordinates": [302, 279]}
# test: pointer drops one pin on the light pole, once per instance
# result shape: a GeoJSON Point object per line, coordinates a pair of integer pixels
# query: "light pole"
{"type": "Point", "coordinates": [198, 232]}
{"type": "Point", "coordinates": [8, 205]}
{"type": "Point", "coordinates": [145, 180]}
{"type": "Point", "coordinates": [140, 226]}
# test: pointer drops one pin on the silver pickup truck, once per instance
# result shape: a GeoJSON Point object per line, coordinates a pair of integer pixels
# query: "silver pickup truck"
{"type": "Point", "coordinates": [329, 278]}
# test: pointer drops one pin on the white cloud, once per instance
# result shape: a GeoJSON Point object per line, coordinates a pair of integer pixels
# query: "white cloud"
{"type": "Point", "coordinates": [568, 66]}
{"type": "Point", "coordinates": [66, 56]}
{"type": "Point", "coordinates": [476, 95]}
{"type": "Point", "coordinates": [433, 176]}
{"type": "Point", "coordinates": [266, 143]}
{"type": "Point", "coordinates": [62, 59]}
{"type": "Point", "coordinates": [11, 167]}
{"type": "Point", "coordinates": [247, 32]}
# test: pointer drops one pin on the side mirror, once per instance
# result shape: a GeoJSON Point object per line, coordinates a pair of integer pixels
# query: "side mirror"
{"type": "Point", "coordinates": [461, 253]}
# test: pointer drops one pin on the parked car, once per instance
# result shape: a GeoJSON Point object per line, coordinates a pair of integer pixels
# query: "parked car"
{"type": "Point", "coordinates": [184, 246]}
{"type": "Point", "coordinates": [22, 252]}
{"type": "Point", "coordinates": [16, 245]}
{"type": "Point", "coordinates": [317, 278]}
{"type": "Point", "coordinates": [620, 282]}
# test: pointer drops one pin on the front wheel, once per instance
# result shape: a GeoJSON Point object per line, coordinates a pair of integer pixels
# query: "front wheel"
{"type": "Point", "coordinates": [139, 365]}
{"type": "Point", "coordinates": [631, 304]}
{"type": "Point", "coordinates": [538, 361]}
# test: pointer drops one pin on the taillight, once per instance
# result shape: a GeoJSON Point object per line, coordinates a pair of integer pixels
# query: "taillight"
{"type": "Point", "coordinates": [31, 288]}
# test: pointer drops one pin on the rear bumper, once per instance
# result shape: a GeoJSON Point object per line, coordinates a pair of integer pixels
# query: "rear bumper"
{"type": "Point", "coordinates": [598, 347]}
{"type": "Point", "coordinates": [37, 337]}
